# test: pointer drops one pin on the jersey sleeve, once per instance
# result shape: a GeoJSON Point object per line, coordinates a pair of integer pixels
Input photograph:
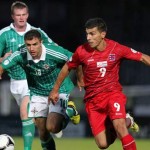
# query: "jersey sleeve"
{"type": "Point", "coordinates": [59, 54]}
{"type": "Point", "coordinates": [2, 44]}
{"type": "Point", "coordinates": [74, 62]}
{"type": "Point", "coordinates": [129, 53]}
{"type": "Point", "coordinates": [12, 60]}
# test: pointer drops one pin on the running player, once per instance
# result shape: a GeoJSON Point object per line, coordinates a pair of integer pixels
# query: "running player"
{"type": "Point", "coordinates": [104, 100]}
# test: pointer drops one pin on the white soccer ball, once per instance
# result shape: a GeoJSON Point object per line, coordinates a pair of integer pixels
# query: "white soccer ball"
{"type": "Point", "coordinates": [6, 142]}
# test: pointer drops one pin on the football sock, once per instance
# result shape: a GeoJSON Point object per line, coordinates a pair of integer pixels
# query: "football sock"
{"type": "Point", "coordinates": [28, 130]}
{"type": "Point", "coordinates": [49, 144]}
{"type": "Point", "coordinates": [128, 143]}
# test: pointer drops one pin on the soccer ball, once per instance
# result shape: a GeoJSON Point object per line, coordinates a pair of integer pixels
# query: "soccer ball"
{"type": "Point", "coordinates": [6, 142]}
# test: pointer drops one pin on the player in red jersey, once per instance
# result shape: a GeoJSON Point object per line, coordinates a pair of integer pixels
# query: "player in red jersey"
{"type": "Point", "coordinates": [104, 100]}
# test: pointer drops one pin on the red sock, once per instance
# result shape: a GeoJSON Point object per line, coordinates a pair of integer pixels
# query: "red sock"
{"type": "Point", "coordinates": [128, 143]}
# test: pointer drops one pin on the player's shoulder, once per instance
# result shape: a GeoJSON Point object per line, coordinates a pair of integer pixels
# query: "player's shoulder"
{"type": "Point", "coordinates": [84, 48]}
{"type": "Point", "coordinates": [5, 30]}
{"type": "Point", "coordinates": [22, 49]}
{"type": "Point", "coordinates": [54, 47]}
{"type": "Point", "coordinates": [114, 44]}
{"type": "Point", "coordinates": [36, 28]}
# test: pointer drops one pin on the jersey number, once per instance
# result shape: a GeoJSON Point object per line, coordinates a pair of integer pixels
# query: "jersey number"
{"type": "Point", "coordinates": [117, 106]}
{"type": "Point", "coordinates": [102, 71]}
{"type": "Point", "coordinates": [38, 72]}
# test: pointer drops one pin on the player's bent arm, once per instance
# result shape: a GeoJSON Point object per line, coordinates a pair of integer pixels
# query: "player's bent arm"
{"type": "Point", "coordinates": [1, 71]}
{"type": "Point", "coordinates": [80, 81]}
{"type": "Point", "coordinates": [5, 56]}
{"type": "Point", "coordinates": [53, 96]}
{"type": "Point", "coordinates": [145, 59]}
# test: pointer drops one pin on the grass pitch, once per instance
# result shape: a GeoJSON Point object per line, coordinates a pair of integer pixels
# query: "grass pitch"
{"type": "Point", "coordinates": [80, 144]}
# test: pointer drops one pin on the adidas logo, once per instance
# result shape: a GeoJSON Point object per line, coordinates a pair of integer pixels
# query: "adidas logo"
{"type": "Point", "coordinates": [28, 134]}
{"type": "Point", "coordinates": [13, 40]}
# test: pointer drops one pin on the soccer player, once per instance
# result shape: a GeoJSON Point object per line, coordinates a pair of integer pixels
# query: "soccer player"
{"type": "Point", "coordinates": [104, 100]}
{"type": "Point", "coordinates": [11, 38]}
{"type": "Point", "coordinates": [42, 62]}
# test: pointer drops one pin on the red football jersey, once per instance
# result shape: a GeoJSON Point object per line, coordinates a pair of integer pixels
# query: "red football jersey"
{"type": "Point", "coordinates": [101, 68]}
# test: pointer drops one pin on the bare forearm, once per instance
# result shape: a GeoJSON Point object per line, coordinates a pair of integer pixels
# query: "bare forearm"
{"type": "Point", "coordinates": [62, 75]}
{"type": "Point", "coordinates": [145, 59]}
{"type": "Point", "coordinates": [1, 59]}
{"type": "Point", "coordinates": [1, 71]}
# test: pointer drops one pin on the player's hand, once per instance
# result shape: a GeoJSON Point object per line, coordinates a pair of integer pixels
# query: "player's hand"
{"type": "Point", "coordinates": [80, 84]}
{"type": "Point", "coordinates": [53, 97]}
{"type": "Point", "coordinates": [7, 54]}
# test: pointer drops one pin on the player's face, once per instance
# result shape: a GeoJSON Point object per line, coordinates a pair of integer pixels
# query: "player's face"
{"type": "Point", "coordinates": [20, 17]}
{"type": "Point", "coordinates": [95, 37]}
{"type": "Point", "coordinates": [34, 47]}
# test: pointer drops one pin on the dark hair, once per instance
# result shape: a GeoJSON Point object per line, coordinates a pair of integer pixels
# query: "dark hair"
{"type": "Point", "coordinates": [96, 22]}
{"type": "Point", "coordinates": [18, 5]}
{"type": "Point", "coordinates": [32, 34]}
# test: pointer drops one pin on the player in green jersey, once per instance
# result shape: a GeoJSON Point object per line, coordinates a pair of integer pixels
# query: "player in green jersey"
{"type": "Point", "coordinates": [11, 38]}
{"type": "Point", "coordinates": [42, 63]}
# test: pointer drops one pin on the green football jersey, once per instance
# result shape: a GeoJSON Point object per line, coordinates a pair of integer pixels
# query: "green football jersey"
{"type": "Point", "coordinates": [42, 74]}
{"type": "Point", "coordinates": [10, 40]}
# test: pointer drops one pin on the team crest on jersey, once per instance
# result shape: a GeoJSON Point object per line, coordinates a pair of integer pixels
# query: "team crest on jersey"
{"type": "Point", "coordinates": [102, 64]}
{"type": "Point", "coordinates": [45, 66]}
{"type": "Point", "coordinates": [6, 62]}
{"type": "Point", "coordinates": [112, 57]}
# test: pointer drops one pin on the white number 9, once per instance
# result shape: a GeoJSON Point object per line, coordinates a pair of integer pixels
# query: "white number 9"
{"type": "Point", "coordinates": [117, 106]}
{"type": "Point", "coordinates": [102, 71]}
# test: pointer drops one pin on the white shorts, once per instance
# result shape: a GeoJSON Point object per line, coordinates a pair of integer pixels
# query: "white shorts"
{"type": "Point", "coordinates": [38, 106]}
{"type": "Point", "coordinates": [19, 89]}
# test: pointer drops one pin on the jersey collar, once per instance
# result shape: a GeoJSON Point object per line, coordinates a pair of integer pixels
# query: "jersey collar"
{"type": "Point", "coordinates": [21, 33]}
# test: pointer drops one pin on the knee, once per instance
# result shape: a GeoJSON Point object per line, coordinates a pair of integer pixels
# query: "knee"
{"type": "Point", "coordinates": [23, 114]}
{"type": "Point", "coordinates": [102, 144]}
{"type": "Point", "coordinates": [52, 128]}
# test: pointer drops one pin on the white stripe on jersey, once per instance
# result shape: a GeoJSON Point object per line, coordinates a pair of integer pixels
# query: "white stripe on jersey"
{"type": "Point", "coordinates": [56, 54]}
{"type": "Point", "coordinates": [4, 29]}
{"type": "Point", "coordinates": [14, 55]}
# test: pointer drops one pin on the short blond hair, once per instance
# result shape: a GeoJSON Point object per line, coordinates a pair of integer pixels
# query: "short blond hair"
{"type": "Point", "coordinates": [18, 5]}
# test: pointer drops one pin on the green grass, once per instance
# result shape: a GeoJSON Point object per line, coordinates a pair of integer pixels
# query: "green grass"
{"type": "Point", "coordinates": [80, 144]}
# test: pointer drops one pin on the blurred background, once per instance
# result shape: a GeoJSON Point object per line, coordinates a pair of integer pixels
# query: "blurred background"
{"type": "Point", "coordinates": [63, 20]}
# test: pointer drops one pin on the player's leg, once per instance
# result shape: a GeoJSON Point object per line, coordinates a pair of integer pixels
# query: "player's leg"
{"type": "Point", "coordinates": [60, 114]}
{"type": "Point", "coordinates": [47, 141]}
{"type": "Point", "coordinates": [28, 126]}
{"type": "Point", "coordinates": [117, 114]}
{"type": "Point", "coordinates": [55, 122]}
{"type": "Point", "coordinates": [19, 90]}
{"type": "Point", "coordinates": [38, 109]}
{"type": "Point", "coordinates": [101, 127]}
{"type": "Point", "coordinates": [57, 118]}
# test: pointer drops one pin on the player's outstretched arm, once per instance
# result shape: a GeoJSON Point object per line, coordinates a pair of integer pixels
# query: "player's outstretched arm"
{"type": "Point", "coordinates": [53, 96]}
{"type": "Point", "coordinates": [145, 59]}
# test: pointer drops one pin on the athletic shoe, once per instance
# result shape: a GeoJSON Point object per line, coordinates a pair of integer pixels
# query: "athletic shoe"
{"type": "Point", "coordinates": [76, 118]}
{"type": "Point", "coordinates": [59, 134]}
{"type": "Point", "coordinates": [134, 126]}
